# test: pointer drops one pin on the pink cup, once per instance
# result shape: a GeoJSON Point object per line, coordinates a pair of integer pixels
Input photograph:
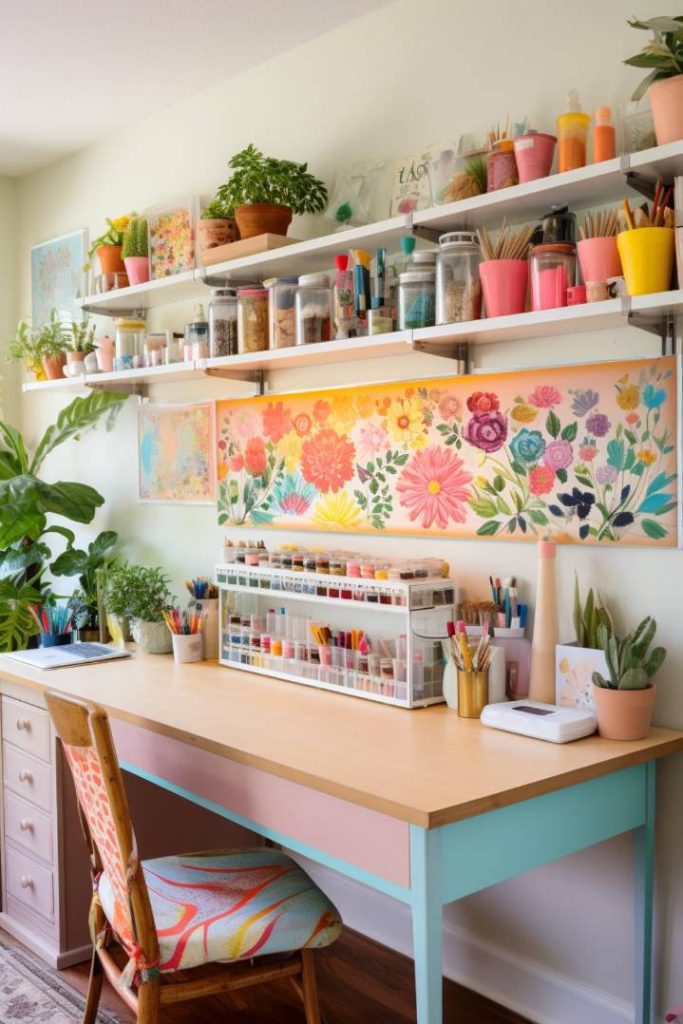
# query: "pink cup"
{"type": "Point", "coordinates": [599, 259]}
{"type": "Point", "coordinates": [534, 153]}
{"type": "Point", "coordinates": [504, 283]}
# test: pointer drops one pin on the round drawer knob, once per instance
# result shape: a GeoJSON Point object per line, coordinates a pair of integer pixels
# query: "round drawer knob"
{"type": "Point", "coordinates": [25, 776]}
{"type": "Point", "coordinates": [23, 724]}
{"type": "Point", "coordinates": [26, 825]}
{"type": "Point", "coordinates": [26, 882]}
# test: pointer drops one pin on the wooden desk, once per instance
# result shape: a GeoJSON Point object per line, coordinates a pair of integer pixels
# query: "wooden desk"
{"type": "Point", "coordinates": [422, 805]}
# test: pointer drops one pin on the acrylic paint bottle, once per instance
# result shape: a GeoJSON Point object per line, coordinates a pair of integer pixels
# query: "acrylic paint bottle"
{"type": "Point", "coordinates": [572, 130]}
{"type": "Point", "coordinates": [542, 679]}
{"type": "Point", "coordinates": [604, 136]}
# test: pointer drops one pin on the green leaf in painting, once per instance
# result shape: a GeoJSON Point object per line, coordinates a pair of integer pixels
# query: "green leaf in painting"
{"type": "Point", "coordinates": [488, 529]}
{"type": "Point", "coordinates": [653, 529]}
{"type": "Point", "coordinates": [570, 431]}
{"type": "Point", "coordinates": [552, 424]}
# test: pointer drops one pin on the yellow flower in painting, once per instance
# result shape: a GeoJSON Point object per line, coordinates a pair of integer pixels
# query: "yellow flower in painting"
{"type": "Point", "coordinates": [365, 406]}
{"type": "Point", "coordinates": [647, 456]}
{"type": "Point", "coordinates": [337, 512]}
{"type": "Point", "coordinates": [628, 396]}
{"type": "Point", "coordinates": [524, 413]}
{"type": "Point", "coordinates": [289, 448]}
{"type": "Point", "coordinates": [405, 423]}
{"type": "Point", "coordinates": [480, 481]}
{"type": "Point", "coordinates": [344, 413]}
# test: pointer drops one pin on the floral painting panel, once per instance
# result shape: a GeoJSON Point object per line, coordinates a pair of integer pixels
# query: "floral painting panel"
{"type": "Point", "coordinates": [176, 453]}
{"type": "Point", "coordinates": [583, 454]}
{"type": "Point", "coordinates": [171, 240]}
{"type": "Point", "coordinates": [57, 277]}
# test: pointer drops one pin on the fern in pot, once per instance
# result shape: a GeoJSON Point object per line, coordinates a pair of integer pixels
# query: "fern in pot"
{"type": "Point", "coordinates": [625, 697]}
{"type": "Point", "coordinates": [135, 250]}
{"type": "Point", "coordinates": [137, 596]}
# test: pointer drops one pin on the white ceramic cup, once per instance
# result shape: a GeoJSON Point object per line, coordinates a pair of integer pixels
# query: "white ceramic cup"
{"type": "Point", "coordinates": [188, 647]}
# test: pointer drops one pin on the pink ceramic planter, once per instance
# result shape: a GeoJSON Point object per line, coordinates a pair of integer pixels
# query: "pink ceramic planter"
{"type": "Point", "coordinates": [666, 100]}
{"type": "Point", "coordinates": [599, 258]}
{"type": "Point", "coordinates": [504, 283]}
{"type": "Point", "coordinates": [137, 268]}
{"type": "Point", "coordinates": [534, 153]}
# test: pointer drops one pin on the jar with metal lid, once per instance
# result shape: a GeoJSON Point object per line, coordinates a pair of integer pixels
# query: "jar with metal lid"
{"type": "Point", "coordinates": [416, 292]}
{"type": "Point", "coordinates": [553, 272]}
{"type": "Point", "coordinates": [313, 308]}
{"type": "Point", "coordinates": [458, 288]}
{"type": "Point", "coordinates": [281, 318]}
{"type": "Point", "coordinates": [223, 322]}
{"type": "Point", "coordinates": [252, 319]}
{"type": "Point", "coordinates": [130, 337]}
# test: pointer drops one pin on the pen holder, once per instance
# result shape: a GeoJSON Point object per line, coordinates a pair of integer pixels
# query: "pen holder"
{"type": "Point", "coordinates": [188, 647]}
{"type": "Point", "coordinates": [473, 693]}
{"type": "Point", "coordinates": [647, 259]}
{"type": "Point", "coordinates": [55, 639]}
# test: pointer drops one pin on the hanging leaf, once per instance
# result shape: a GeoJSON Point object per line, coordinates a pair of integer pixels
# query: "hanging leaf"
{"type": "Point", "coordinates": [80, 415]}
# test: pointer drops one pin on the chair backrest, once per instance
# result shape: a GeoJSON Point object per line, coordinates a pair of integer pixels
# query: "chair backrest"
{"type": "Point", "coordinates": [90, 753]}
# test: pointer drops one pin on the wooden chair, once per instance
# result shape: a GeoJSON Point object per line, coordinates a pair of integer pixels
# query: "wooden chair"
{"type": "Point", "coordinates": [221, 915]}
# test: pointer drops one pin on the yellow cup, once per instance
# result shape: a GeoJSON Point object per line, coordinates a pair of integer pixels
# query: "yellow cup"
{"type": "Point", "coordinates": [647, 259]}
{"type": "Point", "coordinates": [473, 693]}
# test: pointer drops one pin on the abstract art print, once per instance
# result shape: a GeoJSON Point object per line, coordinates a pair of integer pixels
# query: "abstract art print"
{"type": "Point", "coordinates": [176, 453]}
{"type": "Point", "coordinates": [582, 454]}
{"type": "Point", "coordinates": [171, 239]}
{"type": "Point", "coordinates": [57, 277]}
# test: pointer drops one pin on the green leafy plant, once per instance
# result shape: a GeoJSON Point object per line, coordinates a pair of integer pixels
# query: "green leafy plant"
{"type": "Point", "coordinates": [81, 338]}
{"type": "Point", "coordinates": [31, 344]}
{"type": "Point", "coordinates": [631, 664]}
{"type": "Point", "coordinates": [27, 505]}
{"type": "Point", "coordinates": [136, 238]}
{"type": "Point", "coordinates": [589, 617]}
{"type": "Point", "coordinates": [476, 170]}
{"type": "Point", "coordinates": [263, 179]}
{"type": "Point", "coordinates": [91, 566]}
{"type": "Point", "coordinates": [112, 236]}
{"type": "Point", "coordinates": [137, 592]}
{"type": "Point", "coordinates": [217, 209]}
{"type": "Point", "coordinates": [663, 54]}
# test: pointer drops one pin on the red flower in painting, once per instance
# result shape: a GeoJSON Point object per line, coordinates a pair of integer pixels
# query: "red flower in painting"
{"type": "Point", "coordinates": [327, 460]}
{"type": "Point", "coordinates": [483, 401]}
{"type": "Point", "coordinates": [255, 456]}
{"type": "Point", "coordinates": [276, 421]}
{"type": "Point", "coordinates": [434, 486]}
{"type": "Point", "coordinates": [321, 410]}
{"type": "Point", "coordinates": [237, 463]}
{"type": "Point", "coordinates": [541, 480]}
{"type": "Point", "coordinates": [302, 423]}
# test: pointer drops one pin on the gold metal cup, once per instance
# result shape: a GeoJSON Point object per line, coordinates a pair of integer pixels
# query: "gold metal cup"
{"type": "Point", "coordinates": [473, 693]}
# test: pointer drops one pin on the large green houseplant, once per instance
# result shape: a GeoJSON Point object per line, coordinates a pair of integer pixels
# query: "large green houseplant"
{"type": "Point", "coordinates": [28, 506]}
{"type": "Point", "coordinates": [624, 696]}
{"type": "Point", "coordinates": [91, 566]}
{"type": "Point", "coordinates": [264, 192]}
{"type": "Point", "coordinates": [139, 595]}
{"type": "Point", "coordinates": [663, 56]}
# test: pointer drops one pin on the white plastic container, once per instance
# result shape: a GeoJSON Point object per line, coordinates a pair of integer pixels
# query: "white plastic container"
{"type": "Point", "coordinates": [188, 647]}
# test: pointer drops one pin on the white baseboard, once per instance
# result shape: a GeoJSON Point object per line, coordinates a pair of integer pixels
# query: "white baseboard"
{"type": "Point", "coordinates": [524, 986]}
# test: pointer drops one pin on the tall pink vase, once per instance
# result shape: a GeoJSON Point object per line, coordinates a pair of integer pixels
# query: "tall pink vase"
{"type": "Point", "coordinates": [542, 678]}
{"type": "Point", "coordinates": [504, 283]}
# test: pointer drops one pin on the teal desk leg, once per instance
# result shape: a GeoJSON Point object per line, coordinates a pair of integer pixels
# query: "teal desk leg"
{"type": "Point", "coordinates": [644, 843]}
{"type": "Point", "coordinates": [426, 902]}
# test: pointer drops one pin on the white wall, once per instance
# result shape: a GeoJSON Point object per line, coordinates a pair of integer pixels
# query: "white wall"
{"type": "Point", "coordinates": [409, 74]}
{"type": "Point", "coordinates": [9, 297]}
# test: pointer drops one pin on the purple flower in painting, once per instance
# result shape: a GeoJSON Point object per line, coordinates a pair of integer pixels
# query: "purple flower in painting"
{"type": "Point", "coordinates": [598, 424]}
{"type": "Point", "coordinates": [487, 430]}
{"type": "Point", "coordinates": [606, 475]}
{"type": "Point", "coordinates": [584, 401]}
{"type": "Point", "coordinates": [558, 455]}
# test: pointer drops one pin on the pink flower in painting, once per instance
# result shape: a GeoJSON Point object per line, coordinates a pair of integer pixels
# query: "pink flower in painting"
{"type": "Point", "coordinates": [371, 440]}
{"type": "Point", "coordinates": [236, 463]}
{"type": "Point", "coordinates": [587, 452]}
{"type": "Point", "coordinates": [544, 396]}
{"type": "Point", "coordinates": [255, 456]}
{"type": "Point", "coordinates": [434, 486]}
{"type": "Point", "coordinates": [327, 460]}
{"type": "Point", "coordinates": [245, 423]}
{"type": "Point", "coordinates": [606, 475]}
{"type": "Point", "coordinates": [449, 407]}
{"type": "Point", "coordinates": [487, 430]}
{"type": "Point", "coordinates": [276, 421]}
{"type": "Point", "coordinates": [558, 455]}
{"type": "Point", "coordinates": [632, 418]}
{"type": "Point", "coordinates": [483, 401]}
{"type": "Point", "coordinates": [541, 480]}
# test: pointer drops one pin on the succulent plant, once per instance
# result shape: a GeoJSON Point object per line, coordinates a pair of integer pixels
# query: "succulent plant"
{"type": "Point", "coordinates": [589, 617]}
{"type": "Point", "coordinates": [631, 664]}
{"type": "Point", "coordinates": [135, 238]}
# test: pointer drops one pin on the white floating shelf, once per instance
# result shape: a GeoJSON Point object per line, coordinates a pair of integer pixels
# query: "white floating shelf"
{"type": "Point", "coordinates": [121, 301]}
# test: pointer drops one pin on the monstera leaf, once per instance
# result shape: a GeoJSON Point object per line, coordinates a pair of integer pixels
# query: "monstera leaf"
{"type": "Point", "coordinates": [17, 625]}
{"type": "Point", "coordinates": [78, 416]}
{"type": "Point", "coordinates": [15, 561]}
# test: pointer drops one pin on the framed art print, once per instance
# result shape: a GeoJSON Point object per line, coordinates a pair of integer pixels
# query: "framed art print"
{"type": "Point", "coordinates": [176, 453]}
{"type": "Point", "coordinates": [57, 277]}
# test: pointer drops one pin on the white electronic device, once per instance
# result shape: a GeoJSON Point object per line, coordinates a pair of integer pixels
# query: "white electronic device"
{"type": "Point", "coordinates": [540, 721]}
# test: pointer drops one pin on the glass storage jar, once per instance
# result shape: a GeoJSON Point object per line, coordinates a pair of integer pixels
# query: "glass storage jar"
{"type": "Point", "coordinates": [313, 307]}
{"type": "Point", "coordinates": [281, 317]}
{"type": "Point", "coordinates": [458, 288]}
{"type": "Point", "coordinates": [130, 336]}
{"type": "Point", "coordinates": [553, 271]}
{"type": "Point", "coordinates": [223, 322]}
{"type": "Point", "coordinates": [501, 166]}
{"type": "Point", "coordinates": [416, 291]}
{"type": "Point", "coordinates": [252, 319]}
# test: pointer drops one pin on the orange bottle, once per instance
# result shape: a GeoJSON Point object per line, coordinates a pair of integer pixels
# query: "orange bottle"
{"type": "Point", "coordinates": [572, 130]}
{"type": "Point", "coordinates": [604, 136]}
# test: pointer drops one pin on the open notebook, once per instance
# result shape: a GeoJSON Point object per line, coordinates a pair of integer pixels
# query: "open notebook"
{"type": "Point", "coordinates": [69, 654]}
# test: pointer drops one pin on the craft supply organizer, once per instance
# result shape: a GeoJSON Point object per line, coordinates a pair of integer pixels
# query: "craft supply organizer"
{"type": "Point", "coordinates": [266, 617]}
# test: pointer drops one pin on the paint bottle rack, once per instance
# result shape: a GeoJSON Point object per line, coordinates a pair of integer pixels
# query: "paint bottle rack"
{"type": "Point", "coordinates": [265, 628]}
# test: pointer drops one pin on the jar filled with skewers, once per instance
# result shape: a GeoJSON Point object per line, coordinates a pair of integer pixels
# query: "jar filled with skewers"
{"type": "Point", "coordinates": [597, 249]}
{"type": "Point", "coordinates": [458, 286]}
{"type": "Point", "coordinates": [646, 244]}
{"type": "Point", "coordinates": [504, 270]}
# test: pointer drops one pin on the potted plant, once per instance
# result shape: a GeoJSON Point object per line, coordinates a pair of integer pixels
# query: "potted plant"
{"type": "Point", "coordinates": [625, 697]}
{"type": "Point", "coordinates": [91, 567]}
{"type": "Point", "coordinates": [135, 250]}
{"type": "Point", "coordinates": [78, 343]}
{"type": "Point", "coordinates": [264, 192]}
{"type": "Point", "coordinates": [41, 349]}
{"type": "Point", "coordinates": [575, 662]}
{"type": "Point", "coordinates": [108, 246]}
{"type": "Point", "coordinates": [139, 594]}
{"type": "Point", "coordinates": [216, 225]}
{"type": "Point", "coordinates": [664, 85]}
{"type": "Point", "coordinates": [24, 348]}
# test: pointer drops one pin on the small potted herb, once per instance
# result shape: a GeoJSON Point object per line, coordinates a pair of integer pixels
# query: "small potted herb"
{"type": "Point", "coordinates": [625, 697]}
{"type": "Point", "coordinates": [264, 192]}
{"type": "Point", "coordinates": [576, 662]}
{"type": "Point", "coordinates": [663, 55]}
{"type": "Point", "coordinates": [24, 348]}
{"type": "Point", "coordinates": [139, 595]}
{"type": "Point", "coordinates": [79, 341]}
{"type": "Point", "coordinates": [108, 245]}
{"type": "Point", "coordinates": [47, 344]}
{"type": "Point", "coordinates": [216, 225]}
{"type": "Point", "coordinates": [91, 567]}
{"type": "Point", "coordinates": [135, 250]}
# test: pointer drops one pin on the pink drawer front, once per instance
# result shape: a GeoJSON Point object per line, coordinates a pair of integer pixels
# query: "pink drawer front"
{"type": "Point", "coordinates": [27, 776]}
{"type": "Point", "coordinates": [28, 827]}
{"type": "Point", "coordinates": [371, 841]}
{"type": "Point", "coordinates": [26, 726]}
{"type": "Point", "coordinates": [29, 882]}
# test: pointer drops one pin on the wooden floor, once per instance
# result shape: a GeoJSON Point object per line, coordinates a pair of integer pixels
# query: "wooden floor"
{"type": "Point", "coordinates": [360, 982]}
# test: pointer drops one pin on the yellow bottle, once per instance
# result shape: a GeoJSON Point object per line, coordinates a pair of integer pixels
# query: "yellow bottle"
{"type": "Point", "coordinates": [572, 132]}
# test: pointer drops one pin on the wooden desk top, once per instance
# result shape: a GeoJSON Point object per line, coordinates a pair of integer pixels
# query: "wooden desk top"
{"type": "Point", "coordinates": [428, 766]}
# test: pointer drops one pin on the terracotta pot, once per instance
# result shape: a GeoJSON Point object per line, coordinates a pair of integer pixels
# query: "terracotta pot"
{"type": "Point", "coordinates": [218, 231]}
{"type": "Point", "coordinates": [137, 268]}
{"type": "Point", "coordinates": [666, 100]}
{"type": "Point", "coordinates": [54, 366]}
{"type": "Point", "coordinates": [110, 259]}
{"type": "Point", "coordinates": [75, 364]}
{"type": "Point", "coordinates": [624, 714]}
{"type": "Point", "coordinates": [262, 218]}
